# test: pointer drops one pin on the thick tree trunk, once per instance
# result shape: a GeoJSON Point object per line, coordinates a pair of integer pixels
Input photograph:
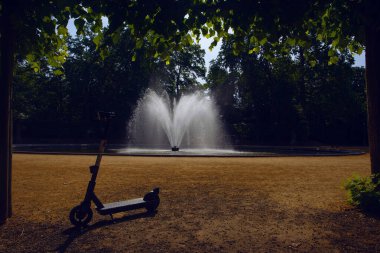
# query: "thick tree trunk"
{"type": "Point", "coordinates": [6, 74]}
{"type": "Point", "coordinates": [372, 56]}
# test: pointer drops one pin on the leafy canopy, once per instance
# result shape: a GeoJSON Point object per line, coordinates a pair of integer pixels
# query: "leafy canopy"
{"type": "Point", "coordinates": [273, 27]}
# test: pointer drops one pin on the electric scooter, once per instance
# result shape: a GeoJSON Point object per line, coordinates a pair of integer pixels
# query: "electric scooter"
{"type": "Point", "coordinates": [82, 214]}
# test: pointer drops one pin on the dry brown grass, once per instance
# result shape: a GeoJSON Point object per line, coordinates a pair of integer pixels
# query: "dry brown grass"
{"type": "Point", "coordinates": [207, 205]}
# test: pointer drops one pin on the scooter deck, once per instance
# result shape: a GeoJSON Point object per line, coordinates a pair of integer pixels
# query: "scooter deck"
{"type": "Point", "coordinates": [122, 206]}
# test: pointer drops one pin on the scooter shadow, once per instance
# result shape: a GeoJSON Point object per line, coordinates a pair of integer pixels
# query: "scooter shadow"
{"type": "Point", "coordinates": [74, 232]}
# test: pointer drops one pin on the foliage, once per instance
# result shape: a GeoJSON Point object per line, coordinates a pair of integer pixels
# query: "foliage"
{"type": "Point", "coordinates": [289, 101]}
{"type": "Point", "coordinates": [364, 192]}
{"type": "Point", "coordinates": [184, 71]}
{"type": "Point", "coordinates": [270, 27]}
{"type": "Point", "coordinates": [262, 32]}
{"type": "Point", "coordinates": [50, 106]}
{"type": "Point", "coordinates": [38, 96]}
{"type": "Point", "coordinates": [40, 29]}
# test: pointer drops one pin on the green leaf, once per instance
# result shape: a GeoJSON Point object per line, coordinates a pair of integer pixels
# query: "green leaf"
{"type": "Point", "coordinates": [97, 40]}
{"type": "Point", "coordinates": [335, 42]}
{"type": "Point", "coordinates": [213, 44]}
{"type": "Point", "coordinates": [291, 42]}
{"type": "Point", "coordinates": [58, 72]}
{"type": "Point", "coordinates": [204, 31]}
{"type": "Point", "coordinates": [333, 60]}
{"type": "Point", "coordinates": [115, 37]}
{"type": "Point", "coordinates": [97, 26]}
{"type": "Point", "coordinates": [253, 40]}
{"type": "Point", "coordinates": [254, 50]}
{"type": "Point", "coordinates": [61, 58]}
{"type": "Point", "coordinates": [103, 53]}
{"type": "Point", "coordinates": [139, 43]}
{"type": "Point", "coordinates": [235, 51]}
{"type": "Point", "coordinates": [46, 19]}
{"type": "Point", "coordinates": [134, 57]}
{"type": "Point", "coordinates": [189, 39]}
{"type": "Point", "coordinates": [79, 25]}
{"type": "Point", "coordinates": [263, 41]}
{"type": "Point", "coordinates": [35, 66]}
{"type": "Point", "coordinates": [62, 30]}
{"type": "Point", "coordinates": [30, 57]}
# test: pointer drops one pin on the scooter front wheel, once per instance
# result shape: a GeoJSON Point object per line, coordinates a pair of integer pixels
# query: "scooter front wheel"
{"type": "Point", "coordinates": [80, 216]}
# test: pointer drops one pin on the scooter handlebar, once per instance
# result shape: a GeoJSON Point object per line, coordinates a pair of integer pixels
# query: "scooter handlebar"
{"type": "Point", "coordinates": [104, 116]}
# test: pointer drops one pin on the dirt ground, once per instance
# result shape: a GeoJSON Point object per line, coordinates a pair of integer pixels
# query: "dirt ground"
{"type": "Point", "coordinates": [290, 204]}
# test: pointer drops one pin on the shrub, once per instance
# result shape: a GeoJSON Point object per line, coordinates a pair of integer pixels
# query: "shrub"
{"type": "Point", "coordinates": [364, 192]}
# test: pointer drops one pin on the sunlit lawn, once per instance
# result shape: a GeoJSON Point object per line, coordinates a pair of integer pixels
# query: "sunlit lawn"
{"type": "Point", "coordinates": [207, 205]}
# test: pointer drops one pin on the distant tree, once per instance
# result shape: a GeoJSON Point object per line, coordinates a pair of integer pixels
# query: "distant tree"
{"type": "Point", "coordinates": [48, 106]}
{"type": "Point", "coordinates": [184, 71]}
{"type": "Point", "coordinates": [96, 84]}
{"type": "Point", "coordinates": [278, 26]}
{"type": "Point", "coordinates": [288, 100]}
{"type": "Point", "coordinates": [222, 86]}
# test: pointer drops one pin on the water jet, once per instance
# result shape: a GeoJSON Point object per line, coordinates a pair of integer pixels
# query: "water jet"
{"type": "Point", "coordinates": [192, 121]}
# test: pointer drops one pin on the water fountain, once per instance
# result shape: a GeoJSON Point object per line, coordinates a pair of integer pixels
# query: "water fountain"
{"type": "Point", "coordinates": [190, 126]}
{"type": "Point", "coordinates": [191, 122]}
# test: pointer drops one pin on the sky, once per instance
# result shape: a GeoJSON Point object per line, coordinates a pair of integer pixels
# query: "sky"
{"type": "Point", "coordinates": [210, 55]}
{"type": "Point", "coordinates": [360, 60]}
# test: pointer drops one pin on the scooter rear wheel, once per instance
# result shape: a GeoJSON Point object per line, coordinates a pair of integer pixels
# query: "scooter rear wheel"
{"type": "Point", "coordinates": [152, 200]}
{"type": "Point", "coordinates": [79, 216]}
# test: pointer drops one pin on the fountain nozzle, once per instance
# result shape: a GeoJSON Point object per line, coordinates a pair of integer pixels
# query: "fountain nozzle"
{"type": "Point", "coordinates": [175, 148]}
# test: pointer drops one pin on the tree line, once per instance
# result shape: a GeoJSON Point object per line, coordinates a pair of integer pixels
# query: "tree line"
{"type": "Point", "coordinates": [291, 101]}
{"type": "Point", "coordinates": [48, 107]}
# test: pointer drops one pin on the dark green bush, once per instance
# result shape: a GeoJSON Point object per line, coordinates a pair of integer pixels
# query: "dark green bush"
{"type": "Point", "coordinates": [364, 192]}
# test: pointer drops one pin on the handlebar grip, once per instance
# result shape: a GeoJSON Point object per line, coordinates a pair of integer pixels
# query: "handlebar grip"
{"type": "Point", "coordinates": [104, 116]}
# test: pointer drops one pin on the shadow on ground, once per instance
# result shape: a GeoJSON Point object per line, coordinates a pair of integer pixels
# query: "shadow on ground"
{"type": "Point", "coordinates": [75, 232]}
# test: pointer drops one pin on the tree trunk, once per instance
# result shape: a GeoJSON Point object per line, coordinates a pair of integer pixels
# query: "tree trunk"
{"type": "Point", "coordinates": [302, 83]}
{"type": "Point", "coordinates": [372, 56]}
{"type": "Point", "coordinates": [6, 74]}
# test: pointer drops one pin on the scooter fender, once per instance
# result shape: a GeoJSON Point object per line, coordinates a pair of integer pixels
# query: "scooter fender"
{"type": "Point", "coordinates": [152, 195]}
